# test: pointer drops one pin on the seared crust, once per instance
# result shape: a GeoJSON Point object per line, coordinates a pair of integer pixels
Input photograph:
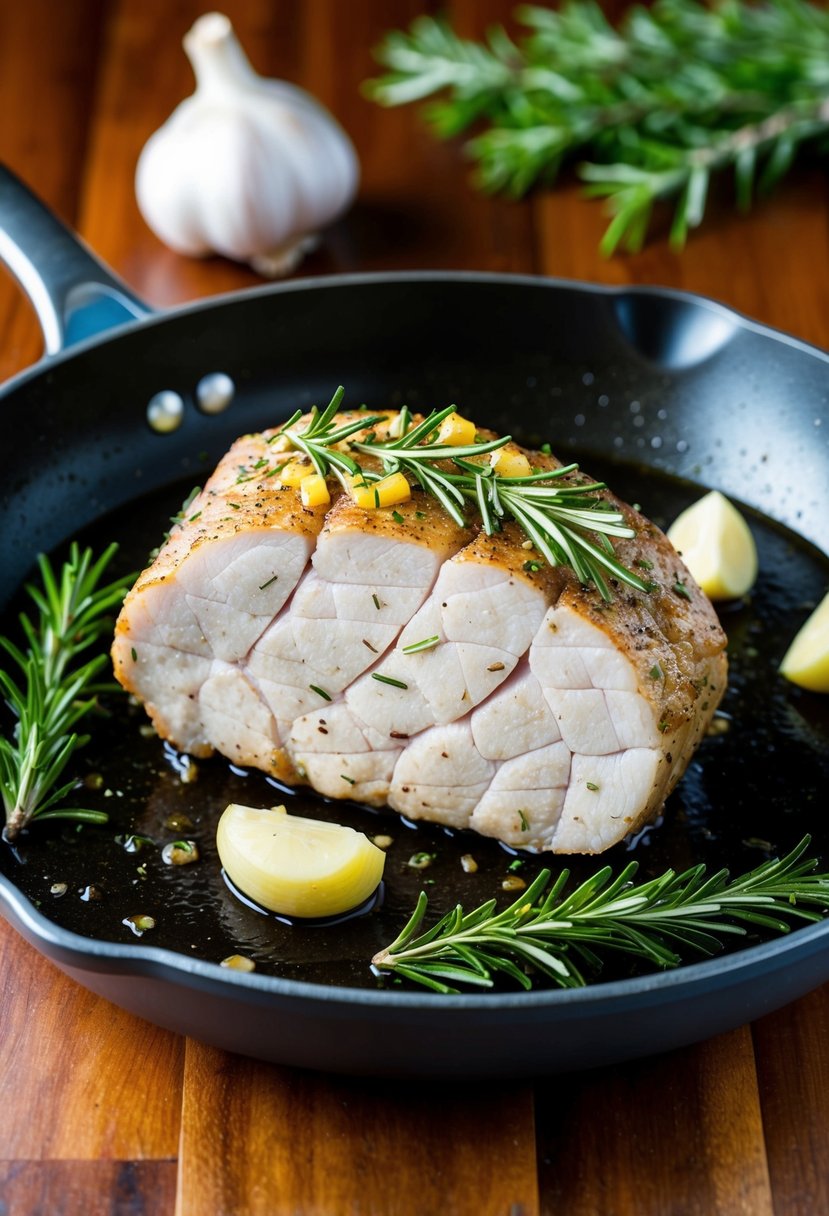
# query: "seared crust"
{"type": "Point", "coordinates": [673, 625]}
{"type": "Point", "coordinates": [669, 635]}
{"type": "Point", "coordinates": [420, 521]}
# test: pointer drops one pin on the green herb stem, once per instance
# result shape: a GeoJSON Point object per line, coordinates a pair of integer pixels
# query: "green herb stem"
{"type": "Point", "coordinates": [681, 90]}
{"type": "Point", "coordinates": [56, 685]}
{"type": "Point", "coordinates": [568, 524]}
{"type": "Point", "coordinates": [563, 936]}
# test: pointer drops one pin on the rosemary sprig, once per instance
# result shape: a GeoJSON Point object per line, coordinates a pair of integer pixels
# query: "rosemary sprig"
{"type": "Point", "coordinates": [569, 524]}
{"type": "Point", "coordinates": [680, 91]}
{"type": "Point", "coordinates": [320, 438]}
{"type": "Point", "coordinates": [415, 452]}
{"type": "Point", "coordinates": [56, 685]}
{"type": "Point", "coordinates": [559, 520]}
{"type": "Point", "coordinates": [558, 935]}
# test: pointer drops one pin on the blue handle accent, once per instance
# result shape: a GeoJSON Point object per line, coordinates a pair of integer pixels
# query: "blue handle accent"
{"type": "Point", "coordinates": [74, 294]}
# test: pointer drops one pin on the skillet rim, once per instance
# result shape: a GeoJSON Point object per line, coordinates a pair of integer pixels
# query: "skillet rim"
{"type": "Point", "coordinates": [158, 962]}
{"type": "Point", "coordinates": [367, 278]}
{"type": "Point", "coordinates": [78, 951]}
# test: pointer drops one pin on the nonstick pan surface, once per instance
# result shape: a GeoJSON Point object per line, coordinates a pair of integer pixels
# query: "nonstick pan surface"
{"type": "Point", "coordinates": [661, 392]}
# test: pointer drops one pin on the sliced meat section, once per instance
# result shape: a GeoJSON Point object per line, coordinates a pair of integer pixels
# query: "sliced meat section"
{"type": "Point", "coordinates": [222, 576]}
{"type": "Point", "coordinates": [229, 587]}
{"type": "Point", "coordinates": [485, 609]}
{"type": "Point", "coordinates": [237, 722]}
{"type": "Point", "coordinates": [441, 775]}
{"type": "Point", "coordinates": [587, 739]}
{"type": "Point", "coordinates": [371, 572]}
{"type": "Point", "coordinates": [453, 675]}
{"type": "Point", "coordinates": [513, 745]}
{"type": "Point", "coordinates": [633, 686]}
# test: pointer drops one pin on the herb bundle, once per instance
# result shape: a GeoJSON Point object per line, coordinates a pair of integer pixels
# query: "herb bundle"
{"type": "Point", "coordinates": [568, 524]}
{"type": "Point", "coordinates": [676, 94]}
{"type": "Point", "coordinates": [563, 936]}
{"type": "Point", "coordinates": [56, 685]}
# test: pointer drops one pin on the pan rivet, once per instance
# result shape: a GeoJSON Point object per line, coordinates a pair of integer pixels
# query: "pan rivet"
{"type": "Point", "coordinates": [214, 393]}
{"type": "Point", "coordinates": [165, 411]}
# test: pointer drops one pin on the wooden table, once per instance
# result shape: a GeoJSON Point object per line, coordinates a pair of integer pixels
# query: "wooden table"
{"type": "Point", "coordinates": [103, 1113]}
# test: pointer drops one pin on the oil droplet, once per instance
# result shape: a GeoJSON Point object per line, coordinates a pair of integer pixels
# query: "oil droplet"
{"type": "Point", "coordinates": [468, 864]}
{"type": "Point", "coordinates": [139, 924]}
{"type": "Point", "coordinates": [180, 853]}
{"type": "Point", "coordinates": [132, 843]}
{"type": "Point", "coordinates": [189, 772]}
{"type": "Point", "coordinates": [215, 392]}
{"type": "Point", "coordinates": [238, 962]}
{"type": "Point", "coordinates": [420, 861]}
{"type": "Point", "coordinates": [165, 411]}
{"type": "Point", "coordinates": [178, 822]}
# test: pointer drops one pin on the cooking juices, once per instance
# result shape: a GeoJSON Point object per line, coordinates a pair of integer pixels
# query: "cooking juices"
{"type": "Point", "coordinates": [756, 785]}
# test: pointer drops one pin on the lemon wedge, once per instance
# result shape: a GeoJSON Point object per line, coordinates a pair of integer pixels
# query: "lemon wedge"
{"type": "Point", "coordinates": [806, 662]}
{"type": "Point", "coordinates": [297, 866]}
{"type": "Point", "coordinates": [716, 546]}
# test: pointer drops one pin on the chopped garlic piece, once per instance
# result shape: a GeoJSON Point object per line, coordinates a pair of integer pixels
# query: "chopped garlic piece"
{"type": "Point", "coordinates": [238, 962]}
{"type": "Point", "coordinates": [509, 463]}
{"type": "Point", "coordinates": [383, 493]}
{"type": "Point", "coordinates": [313, 491]}
{"type": "Point", "coordinates": [456, 431]}
{"type": "Point", "coordinates": [395, 430]}
{"type": "Point", "coordinates": [294, 473]}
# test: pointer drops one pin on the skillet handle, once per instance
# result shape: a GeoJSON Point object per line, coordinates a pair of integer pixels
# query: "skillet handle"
{"type": "Point", "coordinates": [74, 294]}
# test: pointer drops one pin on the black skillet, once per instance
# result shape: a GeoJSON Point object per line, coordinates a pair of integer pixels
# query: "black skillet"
{"type": "Point", "coordinates": [661, 392]}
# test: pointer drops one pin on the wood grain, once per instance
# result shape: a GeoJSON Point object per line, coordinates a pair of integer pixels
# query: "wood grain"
{"type": "Point", "coordinates": [46, 86]}
{"type": "Point", "coordinates": [45, 139]}
{"type": "Point", "coordinates": [87, 1188]}
{"type": "Point", "coordinates": [142, 58]}
{"type": "Point", "coordinates": [264, 1141]}
{"type": "Point", "coordinates": [98, 1104]}
{"type": "Point", "coordinates": [679, 1135]}
{"type": "Point", "coordinates": [793, 1077]}
{"type": "Point", "coordinates": [47, 90]}
{"type": "Point", "coordinates": [414, 195]}
{"type": "Point", "coordinates": [78, 1077]}
{"type": "Point", "coordinates": [415, 206]}
{"type": "Point", "coordinates": [329, 1145]}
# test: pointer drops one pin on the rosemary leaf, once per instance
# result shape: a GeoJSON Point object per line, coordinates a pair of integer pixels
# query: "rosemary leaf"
{"type": "Point", "coordinates": [57, 684]}
{"type": "Point", "coordinates": [660, 921]}
{"type": "Point", "coordinates": [423, 644]}
{"type": "Point", "coordinates": [568, 524]}
{"type": "Point", "coordinates": [680, 91]}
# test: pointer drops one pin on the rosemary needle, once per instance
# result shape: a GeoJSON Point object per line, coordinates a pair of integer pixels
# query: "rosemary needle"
{"type": "Point", "coordinates": [56, 685]}
{"type": "Point", "coordinates": [560, 936]}
{"type": "Point", "coordinates": [568, 524]}
{"type": "Point", "coordinates": [675, 94]}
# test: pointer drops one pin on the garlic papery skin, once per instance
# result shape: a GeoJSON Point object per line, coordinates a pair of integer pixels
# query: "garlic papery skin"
{"type": "Point", "coordinates": [245, 167]}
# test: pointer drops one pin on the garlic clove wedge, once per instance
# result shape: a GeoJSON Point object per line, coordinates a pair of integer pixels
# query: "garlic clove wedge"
{"type": "Point", "coordinates": [806, 662]}
{"type": "Point", "coordinates": [717, 547]}
{"type": "Point", "coordinates": [296, 866]}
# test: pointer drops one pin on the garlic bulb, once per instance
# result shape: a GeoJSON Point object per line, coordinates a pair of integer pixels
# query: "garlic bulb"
{"type": "Point", "coordinates": [246, 167]}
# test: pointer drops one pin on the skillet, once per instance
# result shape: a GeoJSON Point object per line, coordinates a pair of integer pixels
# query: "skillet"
{"type": "Point", "coordinates": [651, 386]}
